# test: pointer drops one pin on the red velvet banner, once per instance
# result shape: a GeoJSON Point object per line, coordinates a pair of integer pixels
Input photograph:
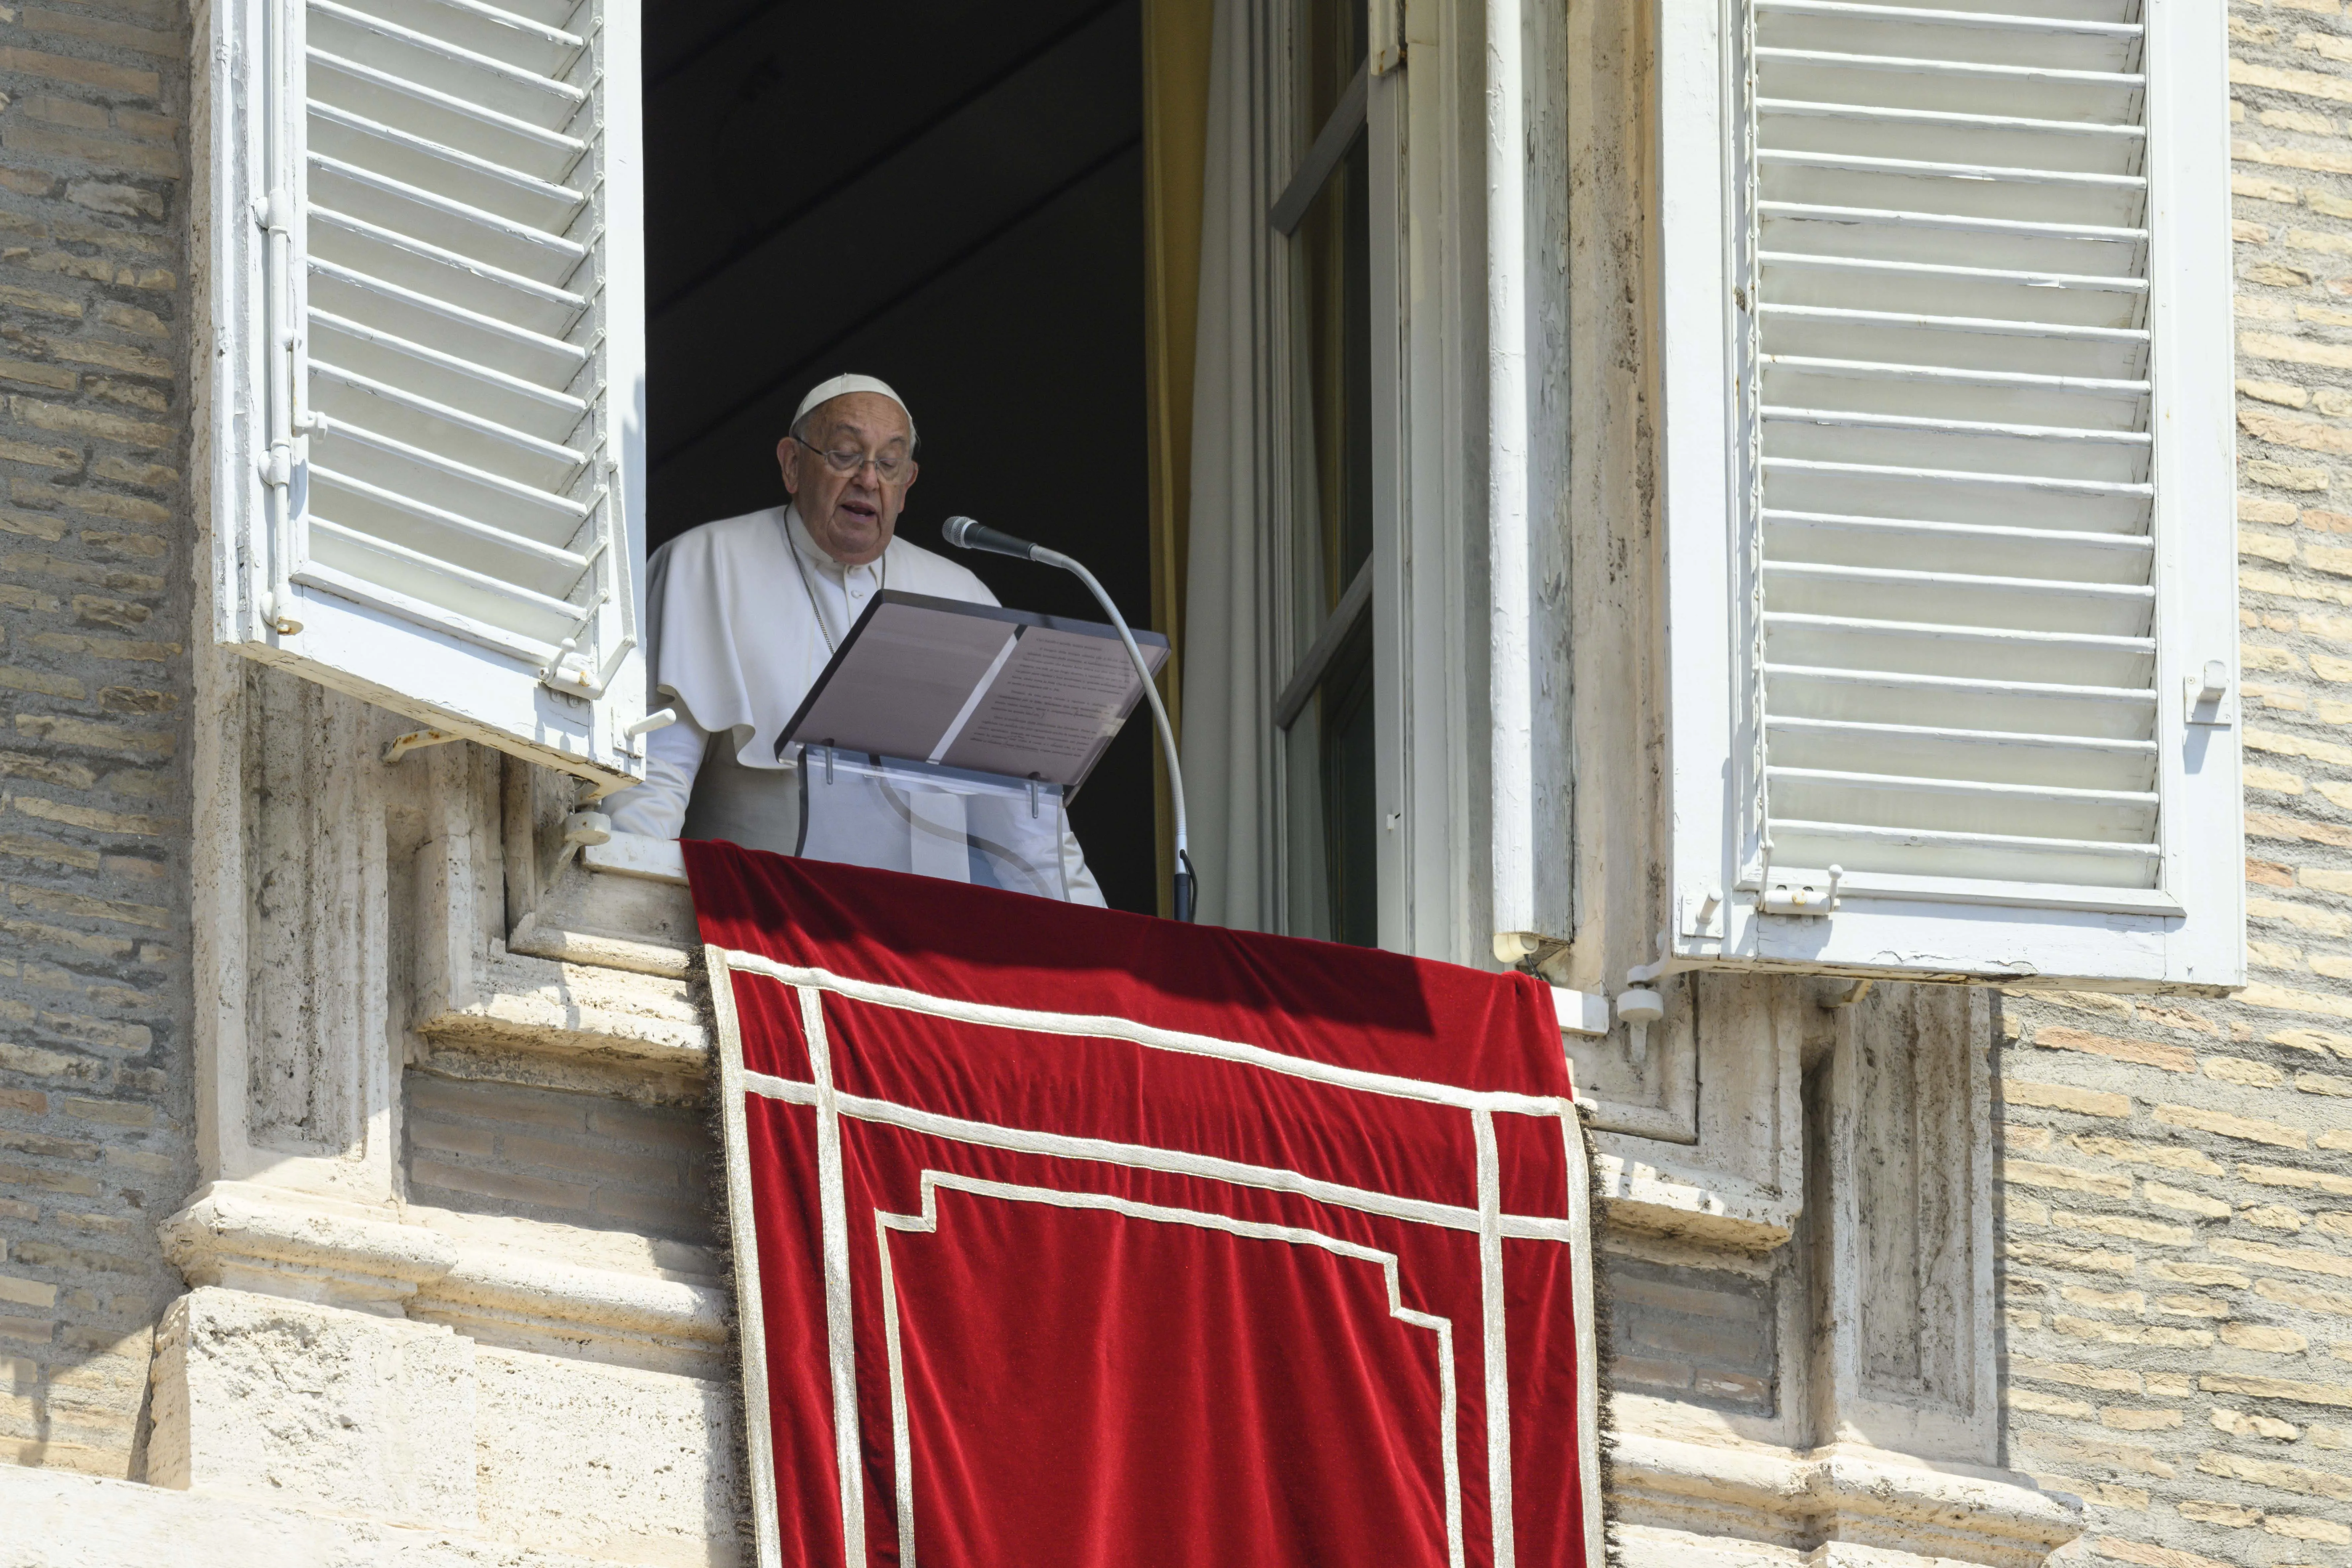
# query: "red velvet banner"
{"type": "Point", "coordinates": [1068, 1239]}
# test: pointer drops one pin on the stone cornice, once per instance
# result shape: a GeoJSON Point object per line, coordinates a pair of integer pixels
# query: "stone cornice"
{"type": "Point", "coordinates": [246, 1237]}
{"type": "Point", "coordinates": [1862, 1497]}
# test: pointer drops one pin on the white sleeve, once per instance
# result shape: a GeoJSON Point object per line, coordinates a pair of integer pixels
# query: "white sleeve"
{"type": "Point", "coordinates": [656, 807]}
{"type": "Point", "coordinates": [1075, 875]}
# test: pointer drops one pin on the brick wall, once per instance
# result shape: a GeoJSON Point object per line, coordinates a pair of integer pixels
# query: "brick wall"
{"type": "Point", "coordinates": [2176, 1208]}
{"type": "Point", "coordinates": [94, 596]}
{"type": "Point", "coordinates": [1698, 1335]}
{"type": "Point", "coordinates": [566, 1158]}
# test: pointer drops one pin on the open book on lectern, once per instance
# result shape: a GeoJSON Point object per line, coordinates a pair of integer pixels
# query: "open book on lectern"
{"type": "Point", "coordinates": [977, 687]}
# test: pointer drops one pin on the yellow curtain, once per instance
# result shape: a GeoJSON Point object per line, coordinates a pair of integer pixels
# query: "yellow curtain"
{"type": "Point", "coordinates": [1176, 35]}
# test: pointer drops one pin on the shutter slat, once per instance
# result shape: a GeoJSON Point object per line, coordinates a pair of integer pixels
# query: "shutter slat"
{"type": "Point", "coordinates": [499, 345]}
{"type": "Point", "coordinates": [447, 117]}
{"type": "Point", "coordinates": [507, 36]}
{"type": "Point", "coordinates": [1935, 852]}
{"type": "Point", "coordinates": [465, 383]}
{"type": "Point", "coordinates": [486, 597]}
{"type": "Point", "coordinates": [1848, 278]}
{"type": "Point", "coordinates": [1945, 391]}
{"type": "Point", "coordinates": [428, 268]}
{"type": "Point", "coordinates": [1996, 21]}
{"type": "Point", "coordinates": [1892, 217]}
{"type": "Point", "coordinates": [1932, 642]}
{"type": "Point", "coordinates": [2130, 799]}
{"type": "Point", "coordinates": [2132, 597]}
{"type": "Point", "coordinates": [440, 479]}
{"type": "Point", "coordinates": [1954, 86]}
{"type": "Point", "coordinates": [498, 448]}
{"type": "Point", "coordinates": [1982, 173]}
{"type": "Point", "coordinates": [1798, 124]}
{"type": "Point", "coordinates": [1983, 756]}
{"type": "Point", "coordinates": [493, 187]}
{"type": "Point", "coordinates": [396, 514]}
{"type": "Point", "coordinates": [2063, 554]}
{"type": "Point", "coordinates": [456, 226]}
{"type": "Point", "coordinates": [444, 67]}
{"type": "Point", "coordinates": [363, 586]}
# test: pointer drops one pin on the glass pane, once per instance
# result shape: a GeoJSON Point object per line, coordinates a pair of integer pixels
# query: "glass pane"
{"type": "Point", "coordinates": [1350, 811]}
{"type": "Point", "coordinates": [1337, 251]}
{"type": "Point", "coordinates": [1306, 875]}
{"type": "Point", "coordinates": [1334, 48]}
{"type": "Point", "coordinates": [1331, 806]}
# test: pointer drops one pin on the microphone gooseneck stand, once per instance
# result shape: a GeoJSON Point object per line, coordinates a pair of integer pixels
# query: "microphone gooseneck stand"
{"type": "Point", "coordinates": [965, 534]}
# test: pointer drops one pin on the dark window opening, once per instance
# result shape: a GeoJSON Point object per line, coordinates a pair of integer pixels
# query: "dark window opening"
{"type": "Point", "coordinates": [1335, 839]}
{"type": "Point", "coordinates": [948, 194]}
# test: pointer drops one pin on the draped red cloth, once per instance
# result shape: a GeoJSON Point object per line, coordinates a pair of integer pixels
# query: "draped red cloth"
{"type": "Point", "coordinates": [1069, 1238]}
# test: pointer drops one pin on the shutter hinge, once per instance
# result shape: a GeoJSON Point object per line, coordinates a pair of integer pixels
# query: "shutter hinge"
{"type": "Point", "coordinates": [1806, 894]}
{"type": "Point", "coordinates": [2206, 697]}
{"type": "Point", "coordinates": [569, 671]}
{"type": "Point", "coordinates": [1702, 914]}
{"type": "Point", "coordinates": [275, 212]}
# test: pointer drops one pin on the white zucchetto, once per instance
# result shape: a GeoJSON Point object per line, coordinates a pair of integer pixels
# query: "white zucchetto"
{"type": "Point", "coordinates": [824, 391]}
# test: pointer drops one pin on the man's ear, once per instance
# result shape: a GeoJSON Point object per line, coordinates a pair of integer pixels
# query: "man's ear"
{"type": "Point", "coordinates": [914, 472]}
{"type": "Point", "coordinates": [788, 453]}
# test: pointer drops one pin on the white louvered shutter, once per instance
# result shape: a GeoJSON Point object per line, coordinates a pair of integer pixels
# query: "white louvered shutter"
{"type": "Point", "coordinates": [436, 431]}
{"type": "Point", "coordinates": [1949, 487]}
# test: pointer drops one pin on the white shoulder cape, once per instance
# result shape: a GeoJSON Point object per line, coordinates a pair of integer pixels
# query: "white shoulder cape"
{"type": "Point", "coordinates": [733, 639]}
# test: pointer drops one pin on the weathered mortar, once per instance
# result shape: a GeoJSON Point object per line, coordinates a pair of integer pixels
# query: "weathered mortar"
{"type": "Point", "coordinates": [2177, 1200]}
{"type": "Point", "coordinates": [95, 1103]}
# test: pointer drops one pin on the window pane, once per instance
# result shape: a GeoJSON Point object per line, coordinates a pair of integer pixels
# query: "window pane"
{"type": "Point", "coordinates": [1334, 834]}
{"type": "Point", "coordinates": [1350, 829]}
{"type": "Point", "coordinates": [1334, 48]}
{"type": "Point", "coordinates": [1337, 254]}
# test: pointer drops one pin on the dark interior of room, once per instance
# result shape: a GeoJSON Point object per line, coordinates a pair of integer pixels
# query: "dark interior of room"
{"type": "Point", "coordinates": [946, 193]}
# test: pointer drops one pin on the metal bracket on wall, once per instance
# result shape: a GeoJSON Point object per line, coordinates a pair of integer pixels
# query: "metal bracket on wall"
{"type": "Point", "coordinates": [1806, 894]}
{"type": "Point", "coordinates": [416, 741]}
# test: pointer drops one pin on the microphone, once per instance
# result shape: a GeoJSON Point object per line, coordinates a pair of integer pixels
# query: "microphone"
{"type": "Point", "coordinates": [967, 533]}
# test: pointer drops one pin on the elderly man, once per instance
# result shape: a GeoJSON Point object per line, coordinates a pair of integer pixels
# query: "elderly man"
{"type": "Point", "coordinates": [744, 613]}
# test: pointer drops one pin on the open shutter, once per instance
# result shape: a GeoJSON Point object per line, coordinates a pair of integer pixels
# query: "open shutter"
{"type": "Point", "coordinates": [434, 434]}
{"type": "Point", "coordinates": [1949, 487]}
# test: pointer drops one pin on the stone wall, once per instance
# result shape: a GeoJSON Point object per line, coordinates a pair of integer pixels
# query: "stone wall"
{"type": "Point", "coordinates": [95, 590]}
{"type": "Point", "coordinates": [2177, 1198]}
{"type": "Point", "coordinates": [563, 1157]}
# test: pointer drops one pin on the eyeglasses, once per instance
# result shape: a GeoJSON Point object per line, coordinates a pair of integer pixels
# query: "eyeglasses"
{"type": "Point", "coordinates": [889, 467]}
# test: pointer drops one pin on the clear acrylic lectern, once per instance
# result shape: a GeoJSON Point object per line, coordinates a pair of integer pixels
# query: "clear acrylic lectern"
{"type": "Point", "coordinates": [860, 809]}
{"type": "Point", "coordinates": [946, 738]}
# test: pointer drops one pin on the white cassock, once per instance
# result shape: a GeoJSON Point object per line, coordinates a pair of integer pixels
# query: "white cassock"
{"type": "Point", "coordinates": [737, 641]}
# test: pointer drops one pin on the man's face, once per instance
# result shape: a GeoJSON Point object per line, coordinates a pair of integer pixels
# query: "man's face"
{"type": "Point", "coordinates": [851, 515]}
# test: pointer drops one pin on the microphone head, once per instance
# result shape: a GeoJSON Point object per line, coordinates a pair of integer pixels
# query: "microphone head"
{"type": "Point", "coordinates": [965, 534]}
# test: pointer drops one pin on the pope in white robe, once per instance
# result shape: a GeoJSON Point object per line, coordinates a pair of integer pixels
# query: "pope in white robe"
{"type": "Point", "coordinates": [742, 616]}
